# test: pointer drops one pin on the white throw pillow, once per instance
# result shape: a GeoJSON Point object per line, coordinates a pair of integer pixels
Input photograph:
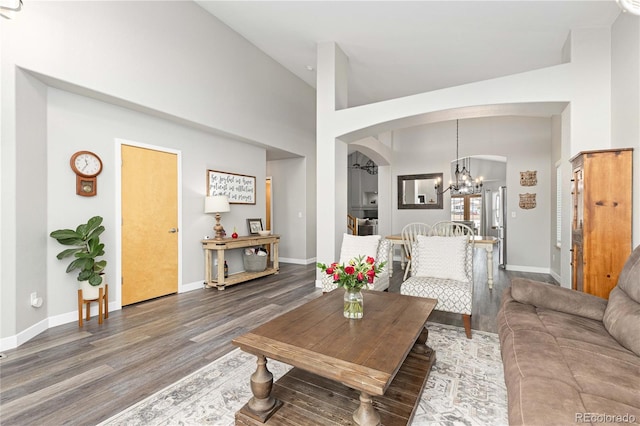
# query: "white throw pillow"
{"type": "Point", "coordinates": [355, 245]}
{"type": "Point", "coordinates": [442, 257]}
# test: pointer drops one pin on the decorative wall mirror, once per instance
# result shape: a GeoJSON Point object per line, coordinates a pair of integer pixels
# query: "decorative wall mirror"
{"type": "Point", "coordinates": [418, 191]}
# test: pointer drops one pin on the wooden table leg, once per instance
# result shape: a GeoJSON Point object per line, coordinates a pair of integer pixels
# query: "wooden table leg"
{"type": "Point", "coordinates": [220, 269]}
{"type": "Point", "coordinates": [80, 303]}
{"type": "Point", "coordinates": [276, 260]}
{"type": "Point", "coordinates": [100, 305]}
{"type": "Point", "coordinates": [490, 266]}
{"type": "Point", "coordinates": [366, 415]}
{"type": "Point", "coordinates": [262, 405]}
{"type": "Point", "coordinates": [207, 268]}
{"type": "Point", "coordinates": [106, 301]}
{"type": "Point", "coordinates": [421, 343]}
{"type": "Point", "coordinates": [390, 258]}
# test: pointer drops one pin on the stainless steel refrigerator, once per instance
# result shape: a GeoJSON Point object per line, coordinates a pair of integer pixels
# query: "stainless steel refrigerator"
{"type": "Point", "coordinates": [495, 220]}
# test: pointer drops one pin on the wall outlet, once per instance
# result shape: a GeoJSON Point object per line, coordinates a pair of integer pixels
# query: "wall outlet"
{"type": "Point", "coordinates": [36, 301]}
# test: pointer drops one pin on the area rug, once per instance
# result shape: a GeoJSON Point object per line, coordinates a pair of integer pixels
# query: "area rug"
{"type": "Point", "coordinates": [465, 387]}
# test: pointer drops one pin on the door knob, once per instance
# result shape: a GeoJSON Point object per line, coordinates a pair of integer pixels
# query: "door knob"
{"type": "Point", "coordinates": [173, 230]}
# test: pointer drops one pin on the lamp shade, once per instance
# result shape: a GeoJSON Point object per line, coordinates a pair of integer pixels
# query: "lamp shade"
{"type": "Point", "coordinates": [216, 204]}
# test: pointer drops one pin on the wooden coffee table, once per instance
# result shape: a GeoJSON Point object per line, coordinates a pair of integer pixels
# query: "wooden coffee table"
{"type": "Point", "coordinates": [350, 361]}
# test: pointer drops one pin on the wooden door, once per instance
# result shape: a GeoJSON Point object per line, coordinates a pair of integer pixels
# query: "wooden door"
{"type": "Point", "coordinates": [267, 214]}
{"type": "Point", "coordinates": [268, 204]}
{"type": "Point", "coordinates": [149, 224]}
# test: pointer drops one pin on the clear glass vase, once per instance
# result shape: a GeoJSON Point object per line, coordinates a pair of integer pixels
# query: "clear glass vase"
{"type": "Point", "coordinates": [353, 304]}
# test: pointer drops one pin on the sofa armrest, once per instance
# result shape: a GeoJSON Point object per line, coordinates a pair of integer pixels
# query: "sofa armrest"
{"type": "Point", "coordinates": [559, 299]}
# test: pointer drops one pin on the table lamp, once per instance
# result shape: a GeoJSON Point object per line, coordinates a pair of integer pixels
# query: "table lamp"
{"type": "Point", "coordinates": [217, 204]}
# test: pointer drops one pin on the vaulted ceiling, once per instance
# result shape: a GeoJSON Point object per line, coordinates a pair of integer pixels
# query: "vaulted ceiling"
{"type": "Point", "coordinates": [400, 48]}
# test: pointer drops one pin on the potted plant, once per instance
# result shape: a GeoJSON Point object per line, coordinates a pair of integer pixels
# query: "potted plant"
{"type": "Point", "coordinates": [86, 250]}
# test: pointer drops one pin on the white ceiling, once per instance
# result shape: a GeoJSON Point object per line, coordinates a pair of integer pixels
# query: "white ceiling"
{"type": "Point", "coordinates": [399, 48]}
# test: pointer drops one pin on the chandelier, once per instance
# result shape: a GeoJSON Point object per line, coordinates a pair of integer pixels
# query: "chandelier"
{"type": "Point", "coordinates": [464, 183]}
{"type": "Point", "coordinates": [7, 12]}
{"type": "Point", "coordinates": [369, 167]}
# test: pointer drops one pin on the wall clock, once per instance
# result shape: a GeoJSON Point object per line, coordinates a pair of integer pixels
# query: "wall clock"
{"type": "Point", "coordinates": [87, 166]}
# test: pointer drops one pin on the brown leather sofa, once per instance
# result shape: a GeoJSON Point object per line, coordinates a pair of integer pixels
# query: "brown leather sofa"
{"type": "Point", "coordinates": [570, 357]}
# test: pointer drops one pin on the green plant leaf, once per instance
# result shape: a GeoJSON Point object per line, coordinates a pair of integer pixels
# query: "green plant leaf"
{"type": "Point", "coordinates": [82, 230]}
{"type": "Point", "coordinates": [84, 275]}
{"type": "Point", "coordinates": [67, 253]}
{"type": "Point", "coordinates": [94, 222]}
{"type": "Point", "coordinates": [64, 233]}
{"type": "Point", "coordinates": [99, 266]}
{"type": "Point", "coordinates": [94, 246]}
{"type": "Point", "coordinates": [67, 237]}
{"type": "Point", "coordinates": [95, 279]}
{"type": "Point", "coordinates": [95, 233]}
{"type": "Point", "coordinates": [83, 264]}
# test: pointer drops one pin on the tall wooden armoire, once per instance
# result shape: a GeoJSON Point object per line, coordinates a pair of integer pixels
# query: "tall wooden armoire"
{"type": "Point", "coordinates": [601, 224]}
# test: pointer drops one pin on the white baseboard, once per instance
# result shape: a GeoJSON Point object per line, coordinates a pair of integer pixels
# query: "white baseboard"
{"type": "Point", "coordinates": [297, 261]}
{"type": "Point", "coordinates": [24, 336]}
{"type": "Point", "coordinates": [196, 285]}
{"type": "Point", "coordinates": [533, 269]}
{"type": "Point", "coordinates": [556, 277]}
{"type": "Point", "coordinates": [73, 316]}
{"type": "Point", "coordinates": [13, 342]}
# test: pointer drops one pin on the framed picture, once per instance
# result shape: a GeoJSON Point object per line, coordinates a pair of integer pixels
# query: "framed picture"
{"type": "Point", "coordinates": [419, 191]}
{"type": "Point", "coordinates": [254, 225]}
{"type": "Point", "coordinates": [241, 189]}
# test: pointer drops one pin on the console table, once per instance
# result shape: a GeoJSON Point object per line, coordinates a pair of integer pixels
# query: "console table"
{"type": "Point", "coordinates": [220, 246]}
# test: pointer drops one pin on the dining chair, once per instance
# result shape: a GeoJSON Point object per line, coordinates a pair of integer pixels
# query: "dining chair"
{"type": "Point", "coordinates": [352, 224]}
{"type": "Point", "coordinates": [409, 233]}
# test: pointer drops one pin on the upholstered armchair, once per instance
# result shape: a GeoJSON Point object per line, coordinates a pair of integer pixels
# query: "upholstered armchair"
{"type": "Point", "coordinates": [442, 268]}
{"type": "Point", "coordinates": [369, 245]}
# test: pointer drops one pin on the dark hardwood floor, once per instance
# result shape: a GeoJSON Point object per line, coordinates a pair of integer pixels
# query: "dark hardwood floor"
{"type": "Point", "coordinates": [82, 376]}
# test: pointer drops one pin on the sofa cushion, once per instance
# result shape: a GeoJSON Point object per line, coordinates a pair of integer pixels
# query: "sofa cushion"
{"type": "Point", "coordinates": [356, 245]}
{"type": "Point", "coordinates": [441, 257]}
{"type": "Point", "coordinates": [557, 298]}
{"type": "Point", "coordinates": [603, 410]}
{"type": "Point", "coordinates": [622, 316]}
{"type": "Point", "coordinates": [629, 279]}
{"type": "Point", "coordinates": [622, 319]}
{"type": "Point", "coordinates": [574, 327]}
{"type": "Point", "coordinates": [542, 401]}
{"type": "Point", "coordinates": [606, 372]}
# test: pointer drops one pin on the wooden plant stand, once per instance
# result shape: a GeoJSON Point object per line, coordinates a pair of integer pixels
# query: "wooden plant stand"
{"type": "Point", "coordinates": [103, 305]}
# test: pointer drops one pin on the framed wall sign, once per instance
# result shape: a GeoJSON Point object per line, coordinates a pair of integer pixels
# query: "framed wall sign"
{"type": "Point", "coordinates": [241, 189]}
{"type": "Point", "coordinates": [254, 225]}
{"type": "Point", "coordinates": [529, 178]}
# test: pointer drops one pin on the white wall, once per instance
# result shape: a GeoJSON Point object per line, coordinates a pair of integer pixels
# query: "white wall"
{"type": "Point", "coordinates": [625, 99]}
{"type": "Point", "coordinates": [80, 123]}
{"type": "Point", "coordinates": [200, 74]}
{"type": "Point", "coordinates": [289, 210]}
{"type": "Point", "coordinates": [556, 155]}
{"type": "Point", "coordinates": [525, 142]}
